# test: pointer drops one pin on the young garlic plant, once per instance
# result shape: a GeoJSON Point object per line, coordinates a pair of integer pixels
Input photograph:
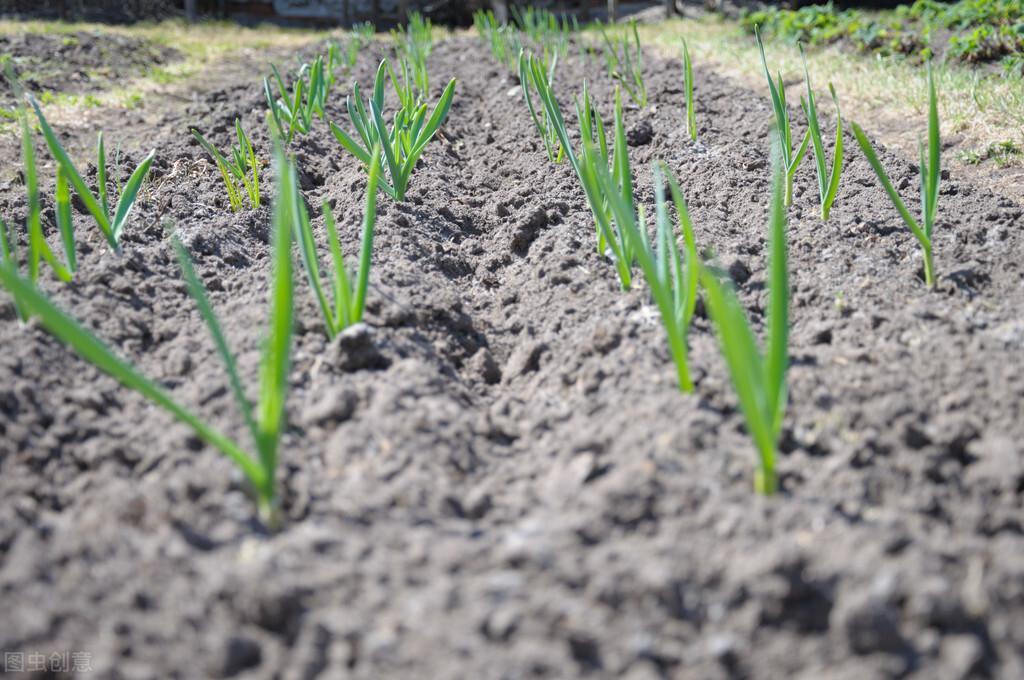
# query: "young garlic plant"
{"type": "Point", "coordinates": [592, 130]}
{"type": "Point", "coordinates": [359, 38]}
{"type": "Point", "coordinates": [409, 135]}
{"type": "Point", "coordinates": [292, 111]}
{"type": "Point", "coordinates": [612, 237]}
{"type": "Point", "coordinates": [111, 224]}
{"type": "Point", "coordinates": [790, 159]}
{"type": "Point", "coordinates": [543, 28]}
{"type": "Point", "coordinates": [691, 113]}
{"type": "Point", "coordinates": [267, 421]}
{"type": "Point", "coordinates": [759, 380]}
{"type": "Point", "coordinates": [611, 240]}
{"type": "Point", "coordinates": [241, 173]}
{"type": "Point", "coordinates": [931, 168]}
{"type": "Point", "coordinates": [349, 292]}
{"type": "Point", "coordinates": [553, 148]}
{"type": "Point", "coordinates": [38, 249]}
{"type": "Point", "coordinates": [501, 39]}
{"type": "Point", "coordinates": [828, 180]}
{"type": "Point", "coordinates": [413, 45]}
{"type": "Point", "coordinates": [625, 60]}
{"type": "Point", "coordinates": [671, 275]}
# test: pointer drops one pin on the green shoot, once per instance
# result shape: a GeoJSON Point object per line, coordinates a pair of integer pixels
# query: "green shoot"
{"type": "Point", "coordinates": [349, 293]}
{"type": "Point", "coordinates": [292, 110]}
{"type": "Point", "coordinates": [543, 28]}
{"type": "Point", "coordinates": [759, 380]}
{"type": "Point", "coordinates": [532, 29]}
{"type": "Point", "coordinates": [612, 239]}
{"type": "Point", "coordinates": [581, 45]}
{"type": "Point", "coordinates": [409, 135]}
{"type": "Point", "coordinates": [241, 173]}
{"type": "Point", "coordinates": [790, 160]}
{"type": "Point", "coordinates": [65, 226]}
{"type": "Point", "coordinates": [267, 422]}
{"type": "Point", "coordinates": [9, 260]}
{"type": "Point", "coordinates": [501, 40]}
{"type": "Point", "coordinates": [332, 64]}
{"type": "Point", "coordinates": [363, 33]}
{"type": "Point", "coordinates": [586, 166]}
{"type": "Point", "coordinates": [828, 181]}
{"type": "Point", "coordinates": [38, 249]}
{"type": "Point", "coordinates": [672, 277]}
{"type": "Point", "coordinates": [413, 45]}
{"type": "Point", "coordinates": [352, 49]}
{"type": "Point", "coordinates": [542, 122]}
{"type": "Point", "coordinates": [691, 113]}
{"type": "Point", "coordinates": [8, 253]}
{"type": "Point", "coordinates": [930, 170]}
{"type": "Point", "coordinates": [592, 130]}
{"type": "Point", "coordinates": [359, 38]}
{"type": "Point", "coordinates": [625, 64]}
{"type": "Point", "coordinates": [617, 240]}
{"type": "Point", "coordinates": [112, 225]}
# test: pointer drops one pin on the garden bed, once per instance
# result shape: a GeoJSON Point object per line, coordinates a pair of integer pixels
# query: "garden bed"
{"type": "Point", "coordinates": [497, 476]}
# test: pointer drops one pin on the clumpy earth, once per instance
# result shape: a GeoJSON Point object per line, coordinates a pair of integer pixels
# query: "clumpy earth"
{"type": "Point", "coordinates": [496, 476]}
{"type": "Point", "coordinates": [81, 62]}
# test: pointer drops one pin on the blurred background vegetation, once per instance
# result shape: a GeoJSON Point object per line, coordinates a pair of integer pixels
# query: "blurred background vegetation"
{"type": "Point", "coordinates": [872, 51]}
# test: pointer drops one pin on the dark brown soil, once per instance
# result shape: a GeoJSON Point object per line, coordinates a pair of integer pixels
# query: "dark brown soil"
{"type": "Point", "coordinates": [78, 63]}
{"type": "Point", "coordinates": [497, 477]}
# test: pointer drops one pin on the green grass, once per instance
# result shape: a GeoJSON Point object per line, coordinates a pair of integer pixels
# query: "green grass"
{"type": "Point", "coordinates": [1003, 153]}
{"type": "Point", "coordinates": [202, 46]}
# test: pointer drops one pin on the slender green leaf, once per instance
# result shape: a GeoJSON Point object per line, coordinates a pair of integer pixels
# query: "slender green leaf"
{"type": "Point", "coordinates": [198, 293]}
{"type": "Point", "coordinates": [81, 188]}
{"type": "Point", "coordinates": [130, 194]}
{"type": "Point", "coordinates": [934, 156]}
{"type": "Point", "coordinates": [342, 288]}
{"type": "Point", "coordinates": [101, 174]}
{"type": "Point", "coordinates": [776, 351]}
{"type": "Point", "coordinates": [307, 249]}
{"type": "Point", "coordinates": [691, 113]}
{"type": "Point", "coordinates": [883, 178]}
{"type": "Point", "coordinates": [95, 352]}
{"type": "Point", "coordinates": [366, 249]}
{"type": "Point", "coordinates": [65, 225]}
{"type": "Point", "coordinates": [277, 346]}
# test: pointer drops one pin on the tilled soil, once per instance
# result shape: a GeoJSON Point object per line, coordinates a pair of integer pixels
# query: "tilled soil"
{"type": "Point", "coordinates": [496, 476]}
{"type": "Point", "coordinates": [82, 62]}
